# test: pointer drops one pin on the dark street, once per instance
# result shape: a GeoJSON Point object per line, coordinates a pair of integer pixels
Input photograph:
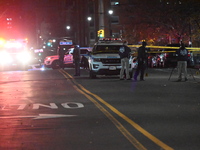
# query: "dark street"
{"type": "Point", "coordinates": [52, 110]}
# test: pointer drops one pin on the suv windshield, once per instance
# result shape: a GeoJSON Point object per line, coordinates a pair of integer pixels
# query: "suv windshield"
{"type": "Point", "coordinates": [83, 51]}
{"type": "Point", "coordinates": [106, 49]}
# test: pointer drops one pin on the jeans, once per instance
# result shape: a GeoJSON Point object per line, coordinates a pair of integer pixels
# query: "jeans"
{"type": "Point", "coordinates": [125, 65]}
{"type": "Point", "coordinates": [182, 68]}
{"type": "Point", "coordinates": [61, 61]}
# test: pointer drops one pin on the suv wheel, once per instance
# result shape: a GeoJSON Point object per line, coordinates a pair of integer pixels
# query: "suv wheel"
{"type": "Point", "coordinates": [55, 64]}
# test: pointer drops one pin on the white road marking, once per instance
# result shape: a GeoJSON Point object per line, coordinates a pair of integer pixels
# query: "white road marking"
{"type": "Point", "coordinates": [40, 116]}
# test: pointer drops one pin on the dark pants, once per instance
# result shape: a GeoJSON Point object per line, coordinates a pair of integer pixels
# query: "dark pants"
{"type": "Point", "coordinates": [77, 67]}
{"type": "Point", "coordinates": [84, 63]}
{"type": "Point", "coordinates": [140, 69]}
{"type": "Point", "coordinates": [61, 61]}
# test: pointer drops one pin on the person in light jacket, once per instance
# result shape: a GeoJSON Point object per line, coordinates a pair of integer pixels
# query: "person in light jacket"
{"type": "Point", "coordinates": [182, 58]}
{"type": "Point", "coordinates": [124, 53]}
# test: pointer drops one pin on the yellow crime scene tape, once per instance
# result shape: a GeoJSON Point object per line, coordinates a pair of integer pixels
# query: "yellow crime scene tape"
{"type": "Point", "coordinates": [191, 49]}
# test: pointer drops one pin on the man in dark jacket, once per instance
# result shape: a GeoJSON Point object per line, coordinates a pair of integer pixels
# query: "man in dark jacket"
{"type": "Point", "coordinates": [76, 57]}
{"type": "Point", "coordinates": [142, 60]}
{"type": "Point", "coordinates": [61, 54]}
{"type": "Point", "coordinates": [124, 53]}
{"type": "Point", "coordinates": [182, 58]}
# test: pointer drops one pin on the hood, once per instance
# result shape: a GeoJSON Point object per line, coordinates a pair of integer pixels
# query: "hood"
{"type": "Point", "coordinates": [53, 56]}
{"type": "Point", "coordinates": [106, 56]}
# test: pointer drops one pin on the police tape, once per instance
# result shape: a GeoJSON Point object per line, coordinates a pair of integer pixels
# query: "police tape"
{"type": "Point", "coordinates": [191, 49]}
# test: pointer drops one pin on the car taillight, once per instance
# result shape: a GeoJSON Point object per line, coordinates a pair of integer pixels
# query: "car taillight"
{"type": "Point", "coordinates": [166, 55]}
{"type": "Point", "coordinates": [134, 60]}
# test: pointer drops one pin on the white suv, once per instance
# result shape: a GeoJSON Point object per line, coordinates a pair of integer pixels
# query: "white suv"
{"type": "Point", "coordinates": [104, 58]}
{"type": "Point", "coordinates": [53, 61]}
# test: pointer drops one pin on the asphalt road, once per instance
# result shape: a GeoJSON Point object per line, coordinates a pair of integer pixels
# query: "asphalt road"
{"type": "Point", "coordinates": [52, 110]}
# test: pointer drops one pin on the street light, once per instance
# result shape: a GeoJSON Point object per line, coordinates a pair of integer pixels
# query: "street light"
{"type": "Point", "coordinates": [89, 18]}
{"type": "Point", "coordinates": [68, 30]}
{"type": "Point", "coordinates": [68, 27]}
{"type": "Point", "coordinates": [110, 12]}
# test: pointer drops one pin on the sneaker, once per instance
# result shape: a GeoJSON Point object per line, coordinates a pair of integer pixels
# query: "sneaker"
{"type": "Point", "coordinates": [186, 79]}
{"type": "Point", "coordinates": [179, 80]}
{"type": "Point", "coordinates": [121, 79]}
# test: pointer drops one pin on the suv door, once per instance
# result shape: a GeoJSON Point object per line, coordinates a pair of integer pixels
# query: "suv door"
{"type": "Point", "coordinates": [68, 59]}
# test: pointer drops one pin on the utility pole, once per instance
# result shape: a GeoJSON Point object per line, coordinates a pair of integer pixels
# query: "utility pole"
{"type": "Point", "coordinates": [101, 15]}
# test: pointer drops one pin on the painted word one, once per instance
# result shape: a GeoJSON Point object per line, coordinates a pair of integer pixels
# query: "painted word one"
{"type": "Point", "coordinates": [67, 105]}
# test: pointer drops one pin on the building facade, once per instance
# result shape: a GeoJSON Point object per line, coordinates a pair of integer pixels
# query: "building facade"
{"type": "Point", "coordinates": [79, 20]}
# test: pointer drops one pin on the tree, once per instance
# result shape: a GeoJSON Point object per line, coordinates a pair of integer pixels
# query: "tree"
{"type": "Point", "coordinates": [161, 22]}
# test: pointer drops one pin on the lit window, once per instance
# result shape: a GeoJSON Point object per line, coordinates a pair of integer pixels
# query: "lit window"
{"type": "Point", "coordinates": [9, 19]}
{"type": "Point", "coordinates": [114, 2]}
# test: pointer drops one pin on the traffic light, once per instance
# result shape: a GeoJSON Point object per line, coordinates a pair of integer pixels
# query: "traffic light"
{"type": "Point", "coordinates": [48, 44]}
{"type": "Point", "coordinates": [100, 33]}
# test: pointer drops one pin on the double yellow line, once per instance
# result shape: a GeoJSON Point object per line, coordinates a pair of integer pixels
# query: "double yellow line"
{"type": "Point", "coordinates": [100, 104]}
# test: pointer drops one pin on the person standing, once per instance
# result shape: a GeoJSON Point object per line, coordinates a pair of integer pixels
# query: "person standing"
{"type": "Point", "coordinates": [76, 58]}
{"type": "Point", "coordinates": [61, 54]}
{"type": "Point", "coordinates": [84, 62]}
{"type": "Point", "coordinates": [182, 58]}
{"type": "Point", "coordinates": [142, 61]}
{"type": "Point", "coordinates": [124, 53]}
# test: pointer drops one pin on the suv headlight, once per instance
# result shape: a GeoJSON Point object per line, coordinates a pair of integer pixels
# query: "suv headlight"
{"type": "Point", "coordinates": [48, 58]}
{"type": "Point", "coordinates": [24, 57]}
{"type": "Point", "coordinates": [5, 57]}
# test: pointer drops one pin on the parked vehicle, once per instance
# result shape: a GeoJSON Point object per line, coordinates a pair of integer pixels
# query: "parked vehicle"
{"type": "Point", "coordinates": [171, 56]}
{"type": "Point", "coordinates": [14, 54]}
{"type": "Point", "coordinates": [53, 61]}
{"type": "Point", "coordinates": [160, 60]}
{"type": "Point", "coordinates": [133, 62]}
{"type": "Point", "coordinates": [152, 60]}
{"type": "Point", "coordinates": [104, 58]}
